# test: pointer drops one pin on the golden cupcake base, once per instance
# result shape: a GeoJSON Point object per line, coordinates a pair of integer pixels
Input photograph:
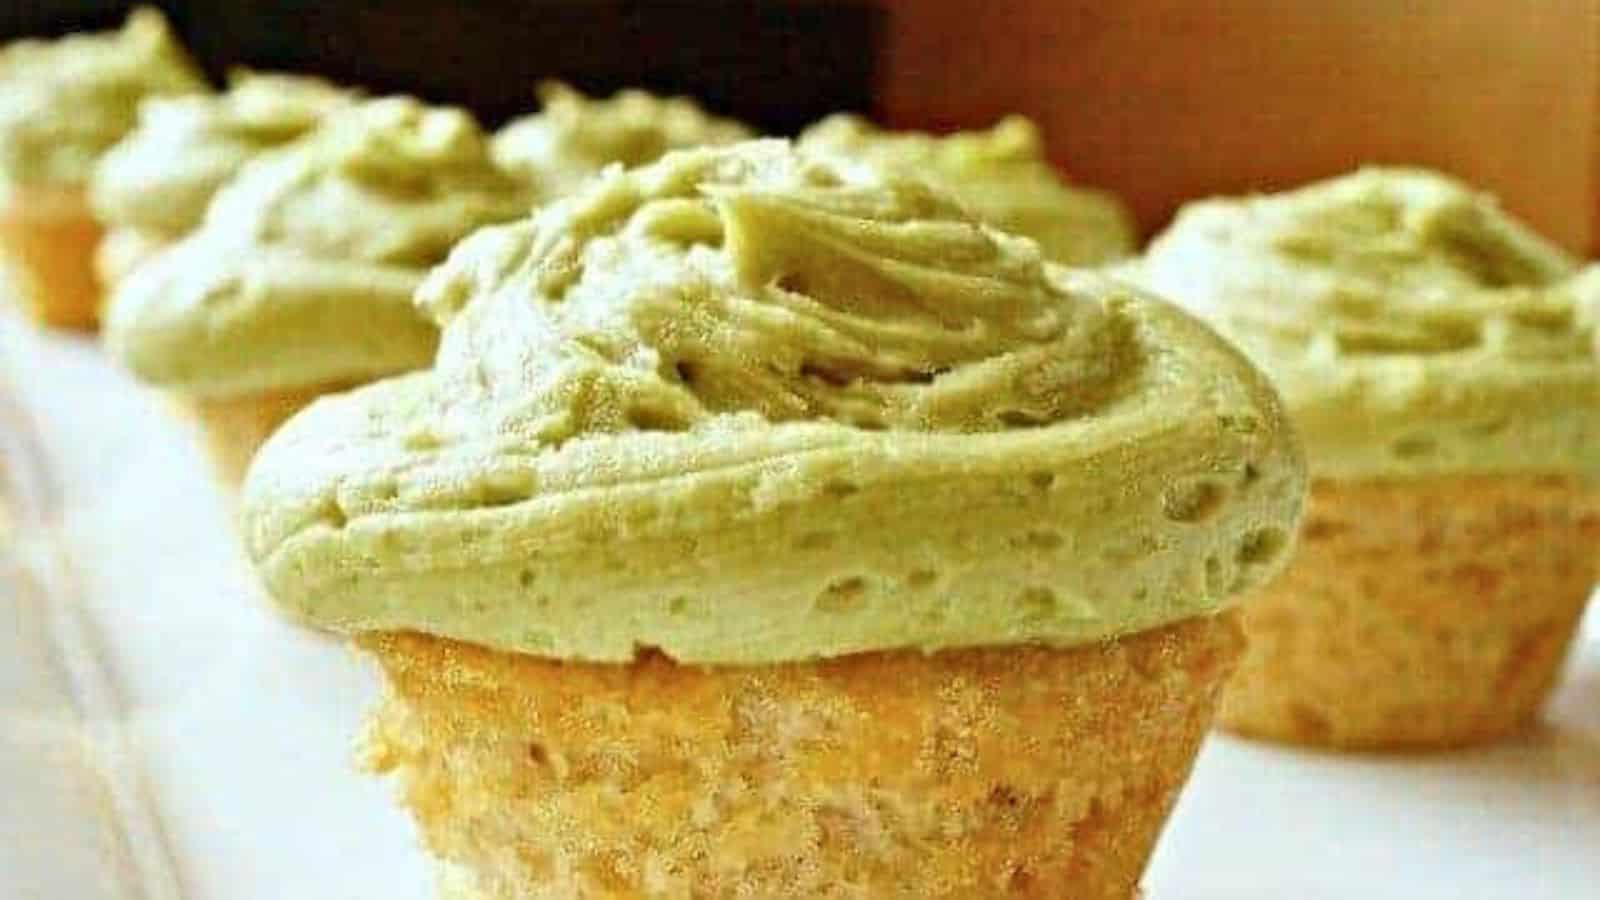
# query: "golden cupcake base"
{"type": "Point", "coordinates": [236, 426]}
{"type": "Point", "coordinates": [124, 249]}
{"type": "Point", "coordinates": [47, 244]}
{"type": "Point", "coordinates": [1421, 613]}
{"type": "Point", "coordinates": [1022, 772]}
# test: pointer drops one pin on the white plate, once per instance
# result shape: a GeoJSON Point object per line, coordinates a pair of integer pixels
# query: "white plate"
{"type": "Point", "coordinates": [214, 759]}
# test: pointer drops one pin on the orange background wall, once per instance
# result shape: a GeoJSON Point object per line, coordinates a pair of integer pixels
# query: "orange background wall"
{"type": "Point", "coordinates": [1163, 100]}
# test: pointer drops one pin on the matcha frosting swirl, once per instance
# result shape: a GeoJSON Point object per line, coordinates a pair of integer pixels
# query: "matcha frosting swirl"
{"type": "Point", "coordinates": [1412, 326]}
{"type": "Point", "coordinates": [1003, 178]}
{"type": "Point", "coordinates": [573, 136]}
{"type": "Point", "coordinates": [303, 269]}
{"type": "Point", "coordinates": [63, 103]}
{"type": "Point", "coordinates": [754, 404]}
{"type": "Point", "coordinates": [161, 177]}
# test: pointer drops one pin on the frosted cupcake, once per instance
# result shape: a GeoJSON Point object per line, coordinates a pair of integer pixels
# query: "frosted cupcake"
{"type": "Point", "coordinates": [299, 280]}
{"type": "Point", "coordinates": [63, 103]}
{"type": "Point", "coordinates": [1003, 178]}
{"type": "Point", "coordinates": [573, 136]}
{"type": "Point", "coordinates": [153, 187]}
{"type": "Point", "coordinates": [769, 528]}
{"type": "Point", "coordinates": [1435, 356]}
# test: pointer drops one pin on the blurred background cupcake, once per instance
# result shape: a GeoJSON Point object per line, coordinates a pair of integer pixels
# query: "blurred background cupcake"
{"type": "Point", "coordinates": [1002, 176]}
{"type": "Point", "coordinates": [299, 280]}
{"type": "Point", "coordinates": [153, 187]}
{"type": "Point", "coordinates": [63, 104]}
{"type": "Point", "coordinates": [1437, 358]}
{"type": "Point", "coordinates": [573, 136]}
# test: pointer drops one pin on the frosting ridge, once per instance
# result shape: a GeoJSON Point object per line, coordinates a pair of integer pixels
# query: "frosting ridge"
{"type": "Point", "coordinates": [573, 137]}
{"type": "Point", "coordinates": [871, 300]}
{"type": "Point", "coordinates": [1002, 176]}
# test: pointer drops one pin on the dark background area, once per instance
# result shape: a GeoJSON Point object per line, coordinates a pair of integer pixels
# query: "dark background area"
{"type": "Point", "coordinates": [1160, 101]}
{"type": "Point", "coordinates": [779, 65]}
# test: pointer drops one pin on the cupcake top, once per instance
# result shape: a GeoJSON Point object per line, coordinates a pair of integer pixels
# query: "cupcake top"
{"type": "Point", "coordinates": [1412, 326]}
{"type": "Point", "coordinates": [303, 269]}
{"type": "Point", "coordinates": [573, 137]}
{"type": "Point", "coordinates": [63, 103]}
{"type": "Point", "coordinates": [753, 404]}
{"type": "Point", "coordinates": [1003, 178]}
{"type": "Point", "coordinates": [161, 177]}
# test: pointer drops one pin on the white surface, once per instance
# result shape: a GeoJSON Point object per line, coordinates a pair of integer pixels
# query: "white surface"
{"type": "Point", "coordinates": [244, 724]}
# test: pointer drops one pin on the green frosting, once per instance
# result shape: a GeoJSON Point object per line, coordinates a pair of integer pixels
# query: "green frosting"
{"type": "Point", "coordinates": [1413, 327]}
{"type": "Point", "coordinates": [755, 404]}
{"type": "Point", "coordinates": [160, 178]}
{"type": "Point", "coordinates": [63, 103]}
{"type": "Point", "coordinates": [573, 137]}
{"type": "Point", "coordinates": [303, 270]}
{"type": "Point", "coordinates": [1002, 177]}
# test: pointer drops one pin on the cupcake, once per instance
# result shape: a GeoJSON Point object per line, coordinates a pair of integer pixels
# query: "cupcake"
{"type": "Point", "coordinates": [1436, 358]}
{"type": "Point", "coordinates": [153, 187]}
{"type": "Point", "coordinates": [767, 527]}
{"type": "Point", "coordinates": [573, 136]}
{"type": "Point", "coordinates": [299, 280]}
{"type": "Point", "coordinates": [63, 103]}
{"type": "Point", "coordinates": [1002, 177]}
